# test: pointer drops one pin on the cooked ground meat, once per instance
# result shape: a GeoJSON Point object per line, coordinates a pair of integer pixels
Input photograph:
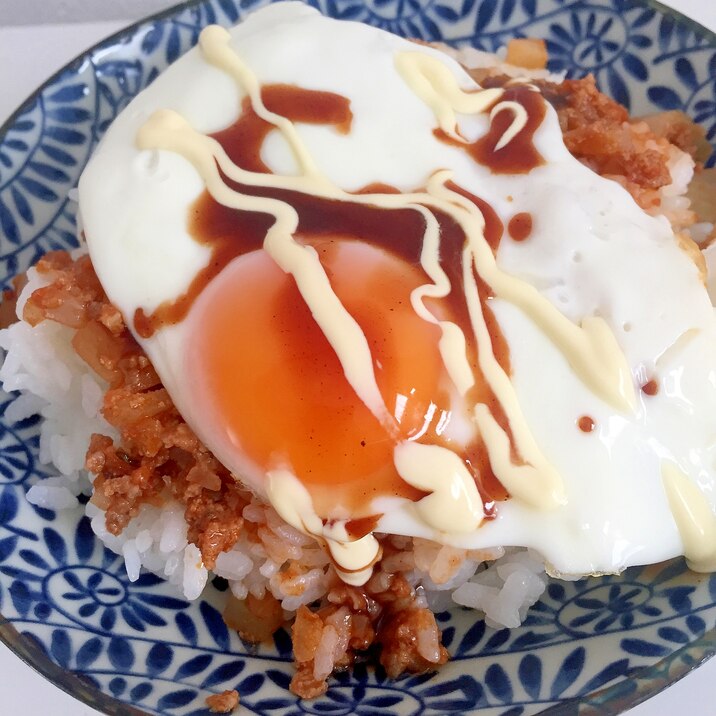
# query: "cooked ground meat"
{"type": "Point", "coordinates": [598, 131]}
{"type": "Point", "coordinates": [8, 304]}
{"type": "Point", "coordinates": [158, 455]}
{"type": "Point", "coordinates": [391, 621]}
{"type": "Point", "coordinates": [254, 619]}
{"type": "Point", "coordinates": [223, 703]}
{"type": "Point", "coordinates": [401, 636]}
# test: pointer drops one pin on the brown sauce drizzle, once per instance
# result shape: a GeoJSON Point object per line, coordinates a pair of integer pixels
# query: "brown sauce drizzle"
{"type": "Point", "coordinates": [520, 155]}
{"type": "Point", "coordinates": [361, 527]}
{"type": "Point", "coordinates": [377, 187]}
{"type": "Point", "coordinates": [231, 233]}
{"type": "Point", "coordinates": [586, 424]}
{"type": "Point", "coordinates": [650, 388]}
{"type": "Point", "coordinates": [243, 140]}
{"type": "Point", "coordinates": [519, 226]}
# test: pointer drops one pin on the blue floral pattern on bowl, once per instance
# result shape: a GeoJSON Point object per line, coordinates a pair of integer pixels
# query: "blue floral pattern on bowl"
{"type": "Point", "coordinates": [593, 646]}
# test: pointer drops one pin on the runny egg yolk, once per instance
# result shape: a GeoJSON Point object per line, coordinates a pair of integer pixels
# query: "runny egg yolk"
{"type": "Point", "coordinates": [275, 386]}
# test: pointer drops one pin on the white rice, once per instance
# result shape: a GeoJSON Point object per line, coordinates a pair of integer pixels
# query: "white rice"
{"type": "Point", "coordinates": [506, 589]}
{"type": "Point", "coordinates": [56, 384]}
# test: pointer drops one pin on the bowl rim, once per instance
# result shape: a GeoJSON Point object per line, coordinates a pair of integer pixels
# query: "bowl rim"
{"type": "Point", "coordinates": [610, 703]}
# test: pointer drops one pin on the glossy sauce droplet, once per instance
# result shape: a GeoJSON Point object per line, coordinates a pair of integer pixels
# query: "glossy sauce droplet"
{"type": "Point", "coordinates": [586, 424]}
{"type": "Point", "coordinates": [361, 527]}
{"type": "Point", "coordinates": [650, 388]}
{"type": "Point", "coordinates": [243, 139]}
{"type": "Point", "coordinates": [520, 226]}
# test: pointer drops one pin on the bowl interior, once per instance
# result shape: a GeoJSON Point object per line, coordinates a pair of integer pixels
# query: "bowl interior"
{"type": "Point", "coordinates": [597, 645]}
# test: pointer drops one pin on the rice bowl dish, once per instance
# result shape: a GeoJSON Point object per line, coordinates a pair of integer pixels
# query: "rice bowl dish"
{"type": "Point", "coordinates": [278, 558]}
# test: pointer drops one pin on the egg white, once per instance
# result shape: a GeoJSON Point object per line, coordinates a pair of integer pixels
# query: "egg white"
{"type": "Point", "coordinates": [592, 251]}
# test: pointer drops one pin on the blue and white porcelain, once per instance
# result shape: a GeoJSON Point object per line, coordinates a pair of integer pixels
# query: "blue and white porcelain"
{"type": "Point", "coordinates": [588, 647]}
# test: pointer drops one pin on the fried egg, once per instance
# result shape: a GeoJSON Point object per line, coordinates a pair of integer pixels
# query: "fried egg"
{"type": "Point", "coordinates": [391, 301]}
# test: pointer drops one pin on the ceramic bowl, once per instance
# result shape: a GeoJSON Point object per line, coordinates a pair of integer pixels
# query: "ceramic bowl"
{"type": "Point", "coordinates": [68, 608]}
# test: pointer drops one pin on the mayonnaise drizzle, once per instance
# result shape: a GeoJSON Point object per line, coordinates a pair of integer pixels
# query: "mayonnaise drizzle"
{"type": "Point", "coordinates": [454, 504]}
{"type": "Point", "coordinates": [354, 559]}
{"type": "Point", "coordinates": [694, 518]}
{"type": "Point", "coordinates": [214, 42]}
{"type": "Point", "coordinates": [433, 82]}
{"type": "Point", "coordinates": [591, 348]}
{"type": "Point", "coordinates": [452, 345]}
{"type": "Point", "coordinates": [518, 123]}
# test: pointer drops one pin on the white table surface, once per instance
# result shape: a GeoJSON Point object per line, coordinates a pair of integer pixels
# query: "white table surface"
{"type": "Point", "coordinates": [28, 55]}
